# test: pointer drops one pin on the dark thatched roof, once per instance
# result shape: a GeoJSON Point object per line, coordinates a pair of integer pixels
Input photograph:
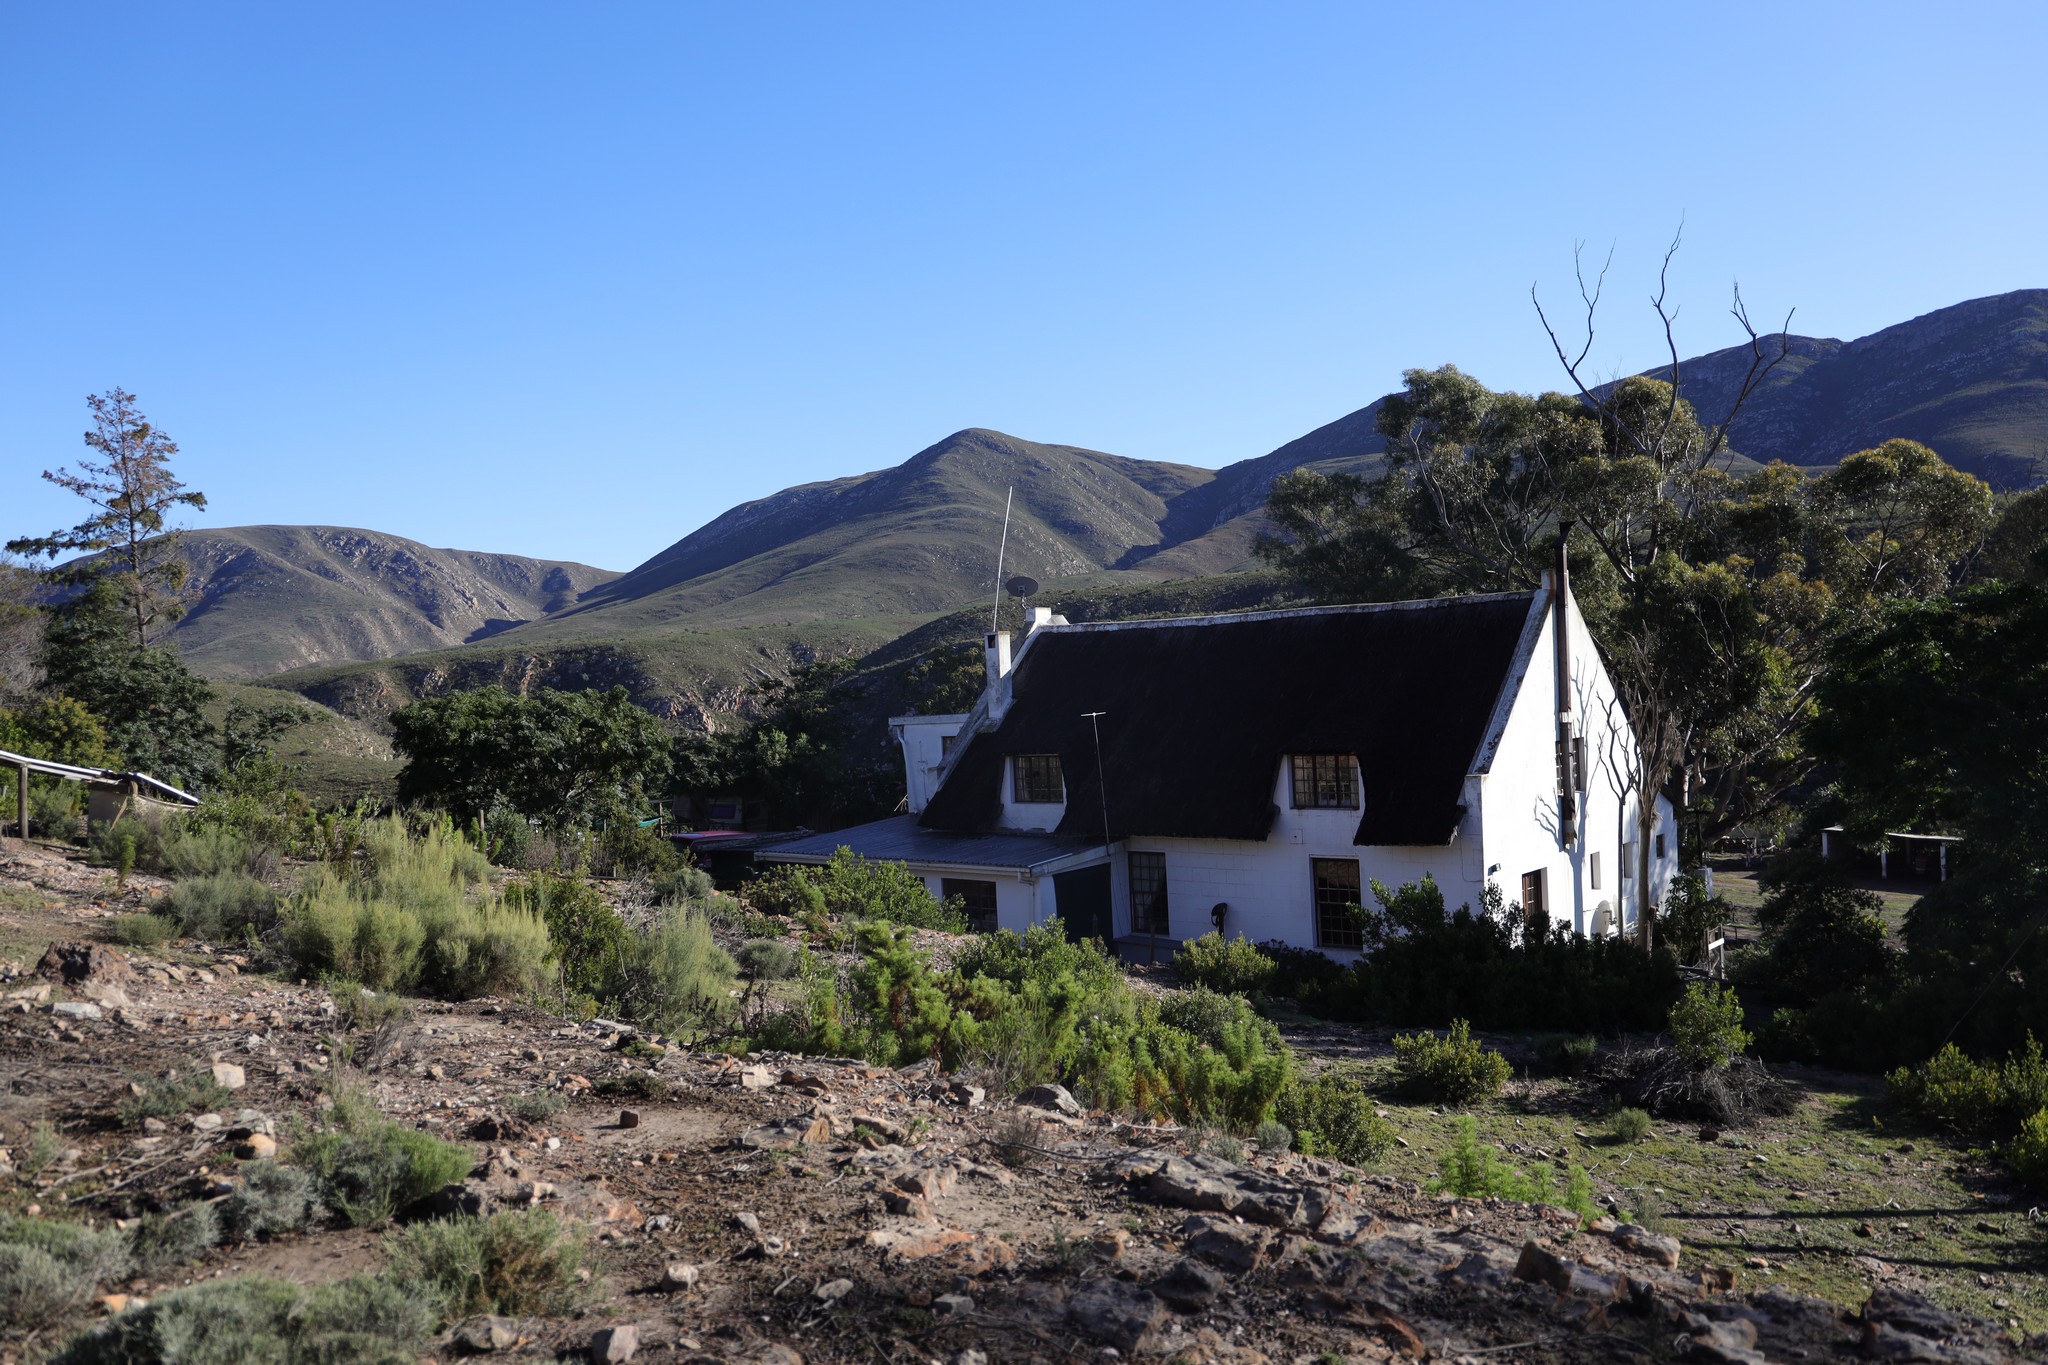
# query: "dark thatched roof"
{"type": "Point", "coordinates": [1199, 714]}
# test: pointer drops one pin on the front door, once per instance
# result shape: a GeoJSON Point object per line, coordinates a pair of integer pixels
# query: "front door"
{"type": "Point", "coordinates": [1083, 901]}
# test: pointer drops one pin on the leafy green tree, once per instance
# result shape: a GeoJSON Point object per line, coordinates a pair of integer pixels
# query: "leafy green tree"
{"type": "Point", "coordinates": [129, 536]}
{"type": "Point", "coordinates": [561, 758]}
{"type": "Point", "coordinates": [154, 707]}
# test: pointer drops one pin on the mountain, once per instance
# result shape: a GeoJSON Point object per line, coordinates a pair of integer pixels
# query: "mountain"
{"type": "Point", "coordinates": [269, 598]}
{"type": "Point", "coordinates": [1970, 381]}
{"type": "Point", "coordinates": [920, 538]}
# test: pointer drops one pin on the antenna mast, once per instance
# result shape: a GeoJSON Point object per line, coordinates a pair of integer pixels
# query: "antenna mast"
{"type": "Point", "coordinates": [996, 612]}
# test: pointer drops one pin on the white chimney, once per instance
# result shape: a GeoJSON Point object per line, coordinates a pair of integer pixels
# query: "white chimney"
{"type": "Point", "coordinates": [998, 654]}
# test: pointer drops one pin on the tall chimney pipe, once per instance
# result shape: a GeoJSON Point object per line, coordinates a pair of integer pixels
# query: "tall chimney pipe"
{"type": "Point", "coordinates": [1567, 740]}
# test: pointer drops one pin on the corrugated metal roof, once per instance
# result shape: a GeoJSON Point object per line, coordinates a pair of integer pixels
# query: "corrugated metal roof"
{"type": "Point", "coordinates": [162, 791]}
{"type": "Point", "coordinates": [900, 839]}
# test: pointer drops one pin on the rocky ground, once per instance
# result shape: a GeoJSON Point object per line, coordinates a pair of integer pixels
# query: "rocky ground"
{"type": "Point", "coordinates": [783, 1209]}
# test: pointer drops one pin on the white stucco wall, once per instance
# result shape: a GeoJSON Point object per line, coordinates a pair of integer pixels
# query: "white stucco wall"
{"type": "Point", "coordinates": [923, 739]}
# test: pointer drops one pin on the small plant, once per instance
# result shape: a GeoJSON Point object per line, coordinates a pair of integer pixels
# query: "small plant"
{"type": "Point", "coordinates": [1628, 1126]}
{"type": "Point", "coordinates": [677, 978]}
{"type": "Point", "coordinates": [1219, 1144]}
{"type": "Point", "coordinates": [520, 1262]}
{"type": "Point", "coordinates": [272, 1199]}
{"type": "Point", "coordinates": [173, 1095]}
{"type": "Point", "coordinates": [1471, 1170]}
{"type": "Point", "coordinates": [537, 1106]}
{"type": "Point", "coordinates": [1232, 966]}
{"type": "Point", "coordinates": [638, 1085]}
{"type": "Point", "coordinates": [142, 931]}
{"type": "Point", "coordinates": [221, 905]}
{"type": "Point", "coordinates": [1570, 1056]}
{"type": "Point", "coordinates": [1456, 1068]}
{"type": "Point", "coordinates": [367, 1167]}
{"type": "Point", "coordinates": [767, 959]}
{"type": "Point", "coordinates": [1017, 1138]}
{"type": "Point", "coordinates": [1273, 1137]}
{"type": "Point", "coordinates": [363, 1320]}
{"type": "Point", "coordinates": [45, 1145]}
{"type": "Point", "coordinates": [1706, 1027]}
{"type": "Point", "coordinates": [358, 1007]}
{"type": "Point", "coordinates": [161, 1241]}
{"type": "Point", "coordinates": [1332, 1115]}
{"type": "Point", "coordinates": [2027, 1153]}
{"type": "Point", "coordinates": [48, 1268]}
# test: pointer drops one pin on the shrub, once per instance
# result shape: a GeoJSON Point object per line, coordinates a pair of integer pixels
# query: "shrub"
{"type": "Point", "coordinates": [367, 1167]}
{"type": "Point", "coordinates": [1628, 1125]}
{"type": "Point", "coordinates": [173, 1095]}
{"type": "Point", "coordinates": [272, 1199]}
{"type": "Point", "coordinates": [1301, 969]}
{"type": "Point", "coordinates": [1333, 1115]}
{"type": "Point", "coordinates": [523, 1263]}
{"type": "Point", "coordinates": [536, 1106]}
{"type": "Point", "coordinates": [357, 1007]}
{"type": "Point", "coordinates": [786, 890]}
{"type": "Point", "coordinates": [1232, 966]}
{"type": "Point", "coordinates": [1569, 1056]}
{"type": "Point", "coordinates": [48, 1268]}
{"type": "Point", "coordinates": [639, 1085]}
{"type": "Point", "coordinates": [1273, 1137]}
{"type": "Point", "coordinates": [249, 1320]}
{"type": "Point", "coordinates": [161, 1241]}
{"type": "Point", "coordinates": [1706, 1027]}
{"type": "Point", "coordinates": [191, 850]}
{"type": "Point", "coordinates": [331, 929]}
{"type": "Point", "coordinates": [142, 931]}
{"type": "Point", "coordinates": [1456, 1069]}
{"type": "Point", "coordinates": [2027, 1153]}
{"type": "Point", "coordinates": [139, 841]}
{"type": "Point", "coordinates": [684, 881]}
{"type": "Point", "coordinates": [679, 980]}
{"type": "Point", "coordinates": [590, 939]}
{"type": "Point", "coordinates": [485, 947]}
{"type": "Point", "coordinates": [855, 888]}
{"type": "Point", "coordinates": [1209, 1015]}
{"type": "Point", "coordinates": [1471, 1170]}
{"type": "Point", "coordinates": [767, 959]}
{"type": "Point", "coordinates": [220, 905]}
{"type": "Point", "coordinates": [1982, 1099]}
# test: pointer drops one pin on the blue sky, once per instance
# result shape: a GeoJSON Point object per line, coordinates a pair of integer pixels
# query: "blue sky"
{"type": "Point", "coordinates": [571, 280]}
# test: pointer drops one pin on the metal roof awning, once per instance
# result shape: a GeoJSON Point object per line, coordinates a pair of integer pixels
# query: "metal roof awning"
{"type": "Point", "coordinates": [900, 839]}
{"type": "Point", "coordinates": [143, 783]}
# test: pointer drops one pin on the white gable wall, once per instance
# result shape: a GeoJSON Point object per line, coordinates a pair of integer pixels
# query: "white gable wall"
{"type": "Point", "coordinates": [924, 753]}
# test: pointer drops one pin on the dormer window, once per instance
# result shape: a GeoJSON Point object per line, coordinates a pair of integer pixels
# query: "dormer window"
{"type": "Point", "coordinates": [1035, 779]}
{"type": "Point", "coordinates": [1325, 782]}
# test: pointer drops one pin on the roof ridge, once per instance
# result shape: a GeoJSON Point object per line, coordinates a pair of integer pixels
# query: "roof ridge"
{"type": "Point", "coordinates": [1286, 613]}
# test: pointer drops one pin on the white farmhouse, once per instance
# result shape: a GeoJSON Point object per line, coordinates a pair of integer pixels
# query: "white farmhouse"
{"type": "Point", "coordinates": [1149, 780]}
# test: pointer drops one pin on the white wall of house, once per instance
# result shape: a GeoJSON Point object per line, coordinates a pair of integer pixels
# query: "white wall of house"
{"type": "Point", "coordinates": [924, 751]}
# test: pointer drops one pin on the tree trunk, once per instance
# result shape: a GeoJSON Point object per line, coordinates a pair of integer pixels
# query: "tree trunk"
{"type": "Point", "coordinates": [1646, 896]}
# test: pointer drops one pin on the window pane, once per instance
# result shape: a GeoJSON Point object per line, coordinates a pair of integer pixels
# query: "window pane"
{"type": "Point", "coordinates": [1038, 779]}
{"type": "Point", "coordinates": [1336, 892]}
{"type": "Point", "coordinates": [1148, 893]}
{"type": "Point", "coordinates": [1325, 781]}
{"type": "Point", "coordinates": [980, 899]}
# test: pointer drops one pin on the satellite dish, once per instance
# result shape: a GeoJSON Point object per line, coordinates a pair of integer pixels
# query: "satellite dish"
{"type": "Point", "coordinates": [1021, 586]}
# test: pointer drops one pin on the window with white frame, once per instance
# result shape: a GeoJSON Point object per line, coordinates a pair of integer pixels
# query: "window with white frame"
{"type": "Point", "coordinates": [1325, 782]}
{"type": "Point", "coordinates": [1035, 779]}
{"type": "Point", "coordinates": [1337, 886]}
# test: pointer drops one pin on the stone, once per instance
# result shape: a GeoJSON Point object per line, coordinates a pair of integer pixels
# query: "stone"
{"type": "Point", "coordinates": [76, 1009]}
{"type": "Point", "coordinates": [1053, 1097]}
{"type": "Point", "coordinates": [488, 1333]}
{"type": "Point", "coordinates": [947, 1306]}
{"type": "Point", "coordinates": [229, 1076]}
{"type": "Point", "coordinates": [679, 1275]}
{"type": "Point", "coordinates": [256, 1147]}
{"type": "Point", "coordinates": [1119, 1314]}
{"type": "Point", "coordinates": [74, 964]}
{"type": "Point", "coordinates": [628, 1119]}
{"type": "Point", "coordinates": [1732, 1342]}
{"type": "Point", "coordinates": [931, 1182]}
{"type": "Point", "coordinates": [1539, 1265]}
{"type": "Point", "coordinates": [756, 1078]}
{"type": "Point", "coordinates": [1214, 1184]}
{"type": "Point", "coordinates": [207, 1123]}
{"type": "Point", "coordinates": [1654, 1246]}
{"type": "Point", "coordinates": [887, 1129]}
{"type": "Point", "coordinates": [970, 1356]}
{"type": "Point", "coordinates": [748, 1223]}
{"type": "Point", "coordinates": [832, 1291]}
{"type": "Point", "coordinates": [916, 1241]}
{"type": "Point", "coordinates": [1234, 1246]}
{"type": "Point", "coordinates": [610, 1345]}
{"type": "Point", "coordinates": [1189, 1286]}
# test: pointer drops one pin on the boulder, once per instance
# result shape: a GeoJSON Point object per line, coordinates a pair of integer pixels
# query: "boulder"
{"type": "Point", "coordinates": [610, 1345]}
{"type": "Point", "coordinates": [74, 964]}
{"type": "Point", "coordinates": [1054, 1097]}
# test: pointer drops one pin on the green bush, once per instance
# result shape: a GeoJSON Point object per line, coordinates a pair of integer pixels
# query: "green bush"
{"type": "Point", "coordinates": [220, 905]}
{"type": "Point", "coordinates": [1979, 1099]}
{"type": "Point", "coordinates": [1471, 1170]}
{"type": "Point", "coordinates": [272, 1199]}
{"type": "Point", "coordinates": [2027, 1153]}
{"type": "Point", "coordinates": [851, 887]}
{"type": "Point", "coordinates": [173, 1095]}
{"type": "Point", "coordinates": [364, 1320]}
{"type": "Point", "coordinates": [331, 928]}
{"type": "Point", "coordinates": [1456, 1069]}
{"type": "Point", "coordinates": [161, 1241]}
{"type": "Point", "coordinates": [142, 931]}
{"type": "Point", "coordinates": [1706, 1027]}
{"type": "Point", "coordinates": [1332, 1115]}
{"type": "Point", "coordinates": [679, 981]}
{"type": "Point", "coordinates": [1273, 1137]}
{"type": "Point", "coordinates": [590, 939]}
{"type": "Point", "coordinates": [1629, 1126]}
{"type": "Point", "coordinates": [357, 1007]}
{"type": "Point", "coordinates": [48, 1268]}
{"type": "Point", "coordinates": [767, 959]}
{"type": "Point", "coordinates": [137, 842]}
{"type": "Point", "coordinates": [518, 1263]}
{"type": "Point", "coordinates": [194, 850]}
{"type": "Point", "coordinates": [682, 882]}
{"type": "Point", "coordinates": [536, 1106]}
{"type": "Point", "coordinates": [1232, 966]}
{"type": "Point", "coordinates": [786, 890]}
{"type": "Point", "coordinates": [1569, 1056]}
{"type": "Point", "coordinates": [483, 947]}
{"type": "Point", "coordinates": [367, 1167]}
